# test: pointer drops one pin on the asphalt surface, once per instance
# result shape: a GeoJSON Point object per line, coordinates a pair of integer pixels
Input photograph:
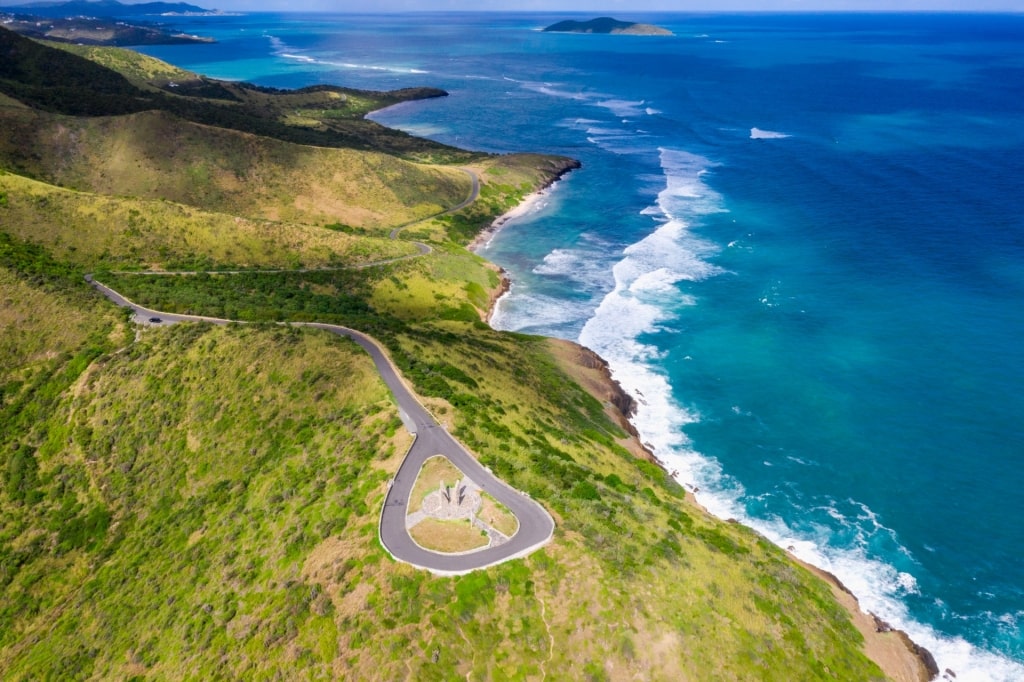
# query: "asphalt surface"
{"type": "Point", "coordinates": [535, 524]}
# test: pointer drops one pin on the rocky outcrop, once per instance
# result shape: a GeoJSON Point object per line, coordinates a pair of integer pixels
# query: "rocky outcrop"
{"type": "Point", "coordinates": [592, 372]}
{"type": "Point", "coordinates": [899, 656]}
{"type": "Point", "coordinates": [495, 294]}
{"type": "Point", "coordinates": [614, 392]}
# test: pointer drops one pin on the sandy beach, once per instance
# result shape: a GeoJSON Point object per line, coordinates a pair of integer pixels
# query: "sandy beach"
{"type": "Point", "coordinates": [531, 203]}
{"type": "Point", "coordinates": [528, 205]}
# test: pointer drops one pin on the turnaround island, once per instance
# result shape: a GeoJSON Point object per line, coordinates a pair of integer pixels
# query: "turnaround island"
{"type": "Point", "coordinates": [608, 25]}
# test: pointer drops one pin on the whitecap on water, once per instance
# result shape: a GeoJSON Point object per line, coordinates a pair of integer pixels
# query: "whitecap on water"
{"type": "Point", "coordinates": [588, 267]}
{"type": "Point", "coordinates": [552, 90]}
{"type": "Point", "coordinates": [375, 67]}
{"type": "Point", "coordinates": [537, 313]}
{"type": "Point", "coordinates": [646, 296]}
{"type": "Point", "coordinates": [276, 43]}
{"type": "Point", "coordinates": [621, 107]}
{"type": "Point", "coordinates": [758, 134]}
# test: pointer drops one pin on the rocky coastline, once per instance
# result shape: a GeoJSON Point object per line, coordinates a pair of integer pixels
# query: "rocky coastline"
{"type": "Point", "coordinates": [899, 657]}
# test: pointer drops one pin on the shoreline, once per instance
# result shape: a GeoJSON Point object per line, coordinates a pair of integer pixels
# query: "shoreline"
{"type": "Point", "coordinates": [484, 237]}
{"type": "Point", "coordinates": [900, 658]}
{"type": "Point", "coordinates": [522, 208]}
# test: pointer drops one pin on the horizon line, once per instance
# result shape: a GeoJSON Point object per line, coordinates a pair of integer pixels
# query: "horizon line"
{"type": "Point", "coordinates": [602, 12]}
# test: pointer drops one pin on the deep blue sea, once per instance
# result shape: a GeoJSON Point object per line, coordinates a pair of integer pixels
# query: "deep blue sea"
{"type": "Point", "coordinates": [798, 240]}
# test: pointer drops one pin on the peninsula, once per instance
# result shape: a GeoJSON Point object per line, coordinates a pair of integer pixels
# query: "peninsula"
{"type": "Point", "coordinates": [607, 25]}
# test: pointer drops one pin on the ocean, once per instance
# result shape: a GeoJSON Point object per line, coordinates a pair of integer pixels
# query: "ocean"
{"type": "Point", "coordinates": [798, 240]}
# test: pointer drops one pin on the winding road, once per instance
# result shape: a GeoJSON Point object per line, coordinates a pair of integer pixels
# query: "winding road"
{"type": "Point", "coordinates": [535, 524]}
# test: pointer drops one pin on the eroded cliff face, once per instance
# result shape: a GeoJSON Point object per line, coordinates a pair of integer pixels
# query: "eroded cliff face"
{"type": "Point", "coordinates": [495, 294]}
{"type": "Point", "coordinates": [593, 373]}
{"type": "Point", "coordinates": [902, 659]}
{"type": "Point", "coordinates": [613, 391]}
{"type": "Point", "coordinates": [894, 651]}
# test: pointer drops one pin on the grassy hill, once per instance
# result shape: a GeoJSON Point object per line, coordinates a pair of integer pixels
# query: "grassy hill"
{"type": "Point", "coordinates": [128, 233]}
{"type": "Point", "coordinates": [78, 29]}
{"type": "Point", "coordinates": [155, 155]}
{"type": "Point", "coordinates": [160, 151]}
{"type": "Point", "coordinates": [203, 501]}
{"type": "Point", "coordinates": [63, 79]}
{"type": "Point", "coordinates": [200, 502]}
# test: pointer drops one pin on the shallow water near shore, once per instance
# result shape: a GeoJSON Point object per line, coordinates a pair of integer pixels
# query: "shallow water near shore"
{"type": "Point", "coordinates": [798, 240]}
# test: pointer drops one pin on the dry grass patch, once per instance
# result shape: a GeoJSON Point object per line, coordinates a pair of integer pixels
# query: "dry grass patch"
{"type": "Point", "coordinates": [448, 536]}
{"type": "Point", "coordinates": [36, 324]}
{"type": "Point", "coordinates": [497, 516]}
{"type": "Point", "coordinates": [94, 229]}
{"type": "Point", "coordinates": [6, 101]}
{"type": "Point", "coordinates": [153, 155]}
{"type": "Point", "coordinates": [435, 470]}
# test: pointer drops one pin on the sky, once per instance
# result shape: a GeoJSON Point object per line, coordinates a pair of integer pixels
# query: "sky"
{"type": "Point", "coordinates": [619, 8]}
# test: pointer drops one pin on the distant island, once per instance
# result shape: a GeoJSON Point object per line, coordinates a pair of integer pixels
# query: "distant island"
{"type": "Point", "coordinates": [95, 31]}
{"type": "Point", "coordinates": [100, 22]}
{"type": "Point", "coordinates": [608, 25]}
{"type": "Point", "coordinates": [108, 8]}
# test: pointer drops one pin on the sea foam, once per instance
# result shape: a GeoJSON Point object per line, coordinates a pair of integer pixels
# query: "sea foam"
{"type": "Point", "coordinates": [758, 134]}
{"type": "Point", "coordinates": [281, 49]}
{"type": "Point", "coordinates": [623, 108]}
{"type": "Point", "coordinates": [537, 313]}
{"type": "Point", "coordinates": [586, 266]}
{"type": "Point", "coordinates": [551, 89]}
{"type": "Point", "coordinates": [645, 297]}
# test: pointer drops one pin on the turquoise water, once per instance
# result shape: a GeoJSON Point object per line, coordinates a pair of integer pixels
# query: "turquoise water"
{"type": "Point", "coordinates": [799, 240]}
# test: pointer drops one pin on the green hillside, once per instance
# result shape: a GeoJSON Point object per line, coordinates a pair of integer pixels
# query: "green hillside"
{"type": "Point", "coordinates": [201, 502]}
{"type": "Point", "coordinates": [64, 79]}
{"type": "Point", "coordinates": [130, 234]}
{"type": "Point", "coordinates": [155, 155]}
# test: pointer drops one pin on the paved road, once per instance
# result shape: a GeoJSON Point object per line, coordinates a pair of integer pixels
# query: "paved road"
{"type": "Point", "coordinates": [535, 524]}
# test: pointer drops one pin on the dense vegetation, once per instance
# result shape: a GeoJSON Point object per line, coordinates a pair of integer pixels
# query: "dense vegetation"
{"type": "Point", "coordinates": [257, 456]}
{"type": "Point", "coordinates": [200, 502]}
{"type": "Point", "coordinates": [50, 80]}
